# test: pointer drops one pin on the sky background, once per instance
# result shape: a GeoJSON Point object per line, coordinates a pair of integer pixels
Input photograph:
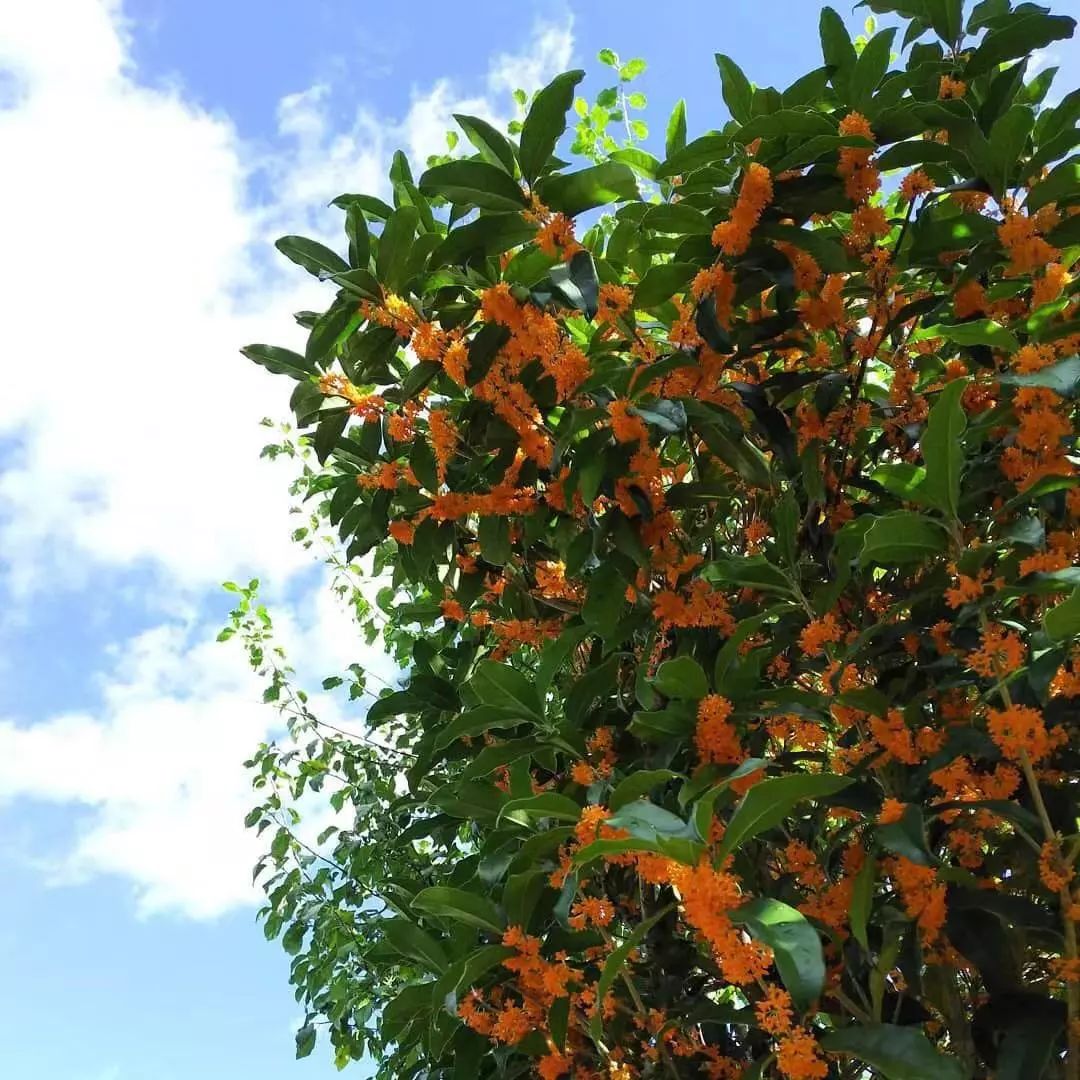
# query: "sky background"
{"type": "Point", "coordinates": [152, 150]}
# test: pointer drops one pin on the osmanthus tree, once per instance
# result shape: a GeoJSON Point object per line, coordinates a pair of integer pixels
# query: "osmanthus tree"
{"type": "Point", "coordinates": [729, 547]}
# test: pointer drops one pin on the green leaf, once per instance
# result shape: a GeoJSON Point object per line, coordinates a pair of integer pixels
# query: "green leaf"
{"type": "Point", "coordinates": [293, 939]}
{"type": "Point", "coordinates": [750, 572]}
{"type": "Point", "coordinates": [705, 150]}
{"type": "Point", "coordinates": [466, 972]}
{"type": "Point", "coordinates": [548, 804]}
{"type": "Point", "coordinates": [862, 897]}
{"type": "Point", "coordinates": [506, 688]}
{"type": "Point", "coordinates": [1063, 621]}
{"type": "Point", "coordinates": [836, 48]}
{"type": "Point", "coordinates": [494, 536]}
{"type": "Point", "coordinates": [613, 966]}
{"type": "Point", "coordinates": [605, 601]}
{"type": "Point", "coordinates": [870, 68]}
{"type": "Point", "coordinates": [681, 677]}
{"type": "Point", "coordinates": [1063, 377]}
{"type": "Point", "coordinates": [314, 257]}
{"type": "Point", "coordinates": [395, 244]}
{"type": "Point", "coordinates": [738, 93]}
{"type": "Point", "coordinates": [327, 434]}
{"type": "Point", "coordinates": [661, 283]}
{"type": "Point", "coordinates": [902, 479]}
{"type": "Point", "coordinates": [576, 283]}
{"type": "Point", "coordinates": [1008, 139]}
{"type": "Point", "coordinates": [476, 721]}
{"type": "Point", "coordinates": [898, 1053]}
{"type": "Point", "coordinates": [907, 837]}
{"type": "Point", "coordinates": [661, 725]}
{"type": "Point", "coordinates": [305, 1041]}
{"type": "Point", "coordinates": [1062, 186]}
{"type": "Point", "coordinates": [409, 940]}
{"type": "Point", "coordinates": [422, 461]}
{"type": "Point", "coordinates": [770, 801]}
{"type": "Point", "coordinates": [1020, 36]}
{"type": "Point", "coordinates": [475, 183]}
{"type": "Point", "coordinates": [356, 230]}
{"type": "Point", "coordinates": [460, 906]}
{"type": "Point", "coordinates": [545, 123]}
{"type": "Point", "coordinates": [975, 332]}
{"type": "Point", "coordinates": [947, 18]}
{"type": "Point", "coordinates": [637, 785]}
{"type": "Point", "coordinates": [642, 162]}
{"type": "Point", "coordinates": [489, 234]}
{"type": "Point", "coordinates": [943, 449]}
{"type": "Point", "coordinates": [574, 193]}
{"type": "Point", "coordinates": [280, 361]}
{"type": "Point", "coordinates": [795, 944]}
{"type": "Point", "coordinates": [902, 537]}
{"type": "Point", "coordinates": [675, 138]}
{"type": "Point", "coordinates": [492, 145]}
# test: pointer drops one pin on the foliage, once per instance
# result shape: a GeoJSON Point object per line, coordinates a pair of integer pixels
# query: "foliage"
{"type": "Point", "coordinates": [730, 557]}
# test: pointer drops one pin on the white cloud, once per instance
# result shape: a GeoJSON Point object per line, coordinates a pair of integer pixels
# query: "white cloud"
{"type": "Point", "coordinates": [136, 265]}
{"type": "Point", "coordinates": [158, 767]}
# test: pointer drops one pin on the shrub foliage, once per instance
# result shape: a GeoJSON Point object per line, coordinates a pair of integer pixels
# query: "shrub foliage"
{"type": "Point", "coordinates": [724, 515]}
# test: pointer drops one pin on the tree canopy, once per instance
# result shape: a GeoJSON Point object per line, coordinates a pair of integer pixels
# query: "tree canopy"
{"type": "Point", "coordinates": [723, 515]}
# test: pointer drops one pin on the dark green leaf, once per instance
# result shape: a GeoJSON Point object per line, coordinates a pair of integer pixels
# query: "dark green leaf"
{"type": "Point", "coordinates": [1019, 36]}
{"type": "Point", "coordinates": [1062, 186]}
{"type": "Point", "coordinates": [545, 123]}
{"type": "Point", "coordinates": [681, 677]}
{"type": "Point", "coordinates": [359, 238]}
{"type": "Point", "coordinates": [395, 243]}
{"type": "Point", "coordinates": [314, 257]}
{"type": "Point", "coordinates": [409, 940]}
{"type": "Point", "coordinates": [737, 89]}
{"type": "Point", "coordinates": [661, 283]}
{"type": "Point", "coordinates": [675, 139]}
{"type": "Point", "coordinates": [637, 785]}
{"type": "Point", "coordinates": [548, 804]}
{"type": "Point", "coordinates": [1062, 622]}
{"type": "Point", "coordinates": [770, 801]}
{"type": "Point", "coordinates": [574, 193]}
{"type": "Point", "coordinates": [507, 688]}
{"type": "Point", "coordinates": [605, 601]}
{"type": "Point", "coordinates": [902, 537]}
{"type": "Point", "coordinates": [943, 449]}
{"type": "Point", "coordinates": [305, 1041]}
{"type": "Point", "coordinates": [280, 361]}
{"type": "Point", "coordinates": [494, 147]}
{"type": "Point", "coordinates": [474, 183]}
{"type": "Point", "coordinates": [460, 906]}
{"type": "Point", "coordinates": [613, 966]}
{"type": "Point", "coordinates": [795, 944]}
{"type": "Point", "coordinates": [1063, 377]}
{"type": "Point", "coordinates": [870, 68]}
{"type": "Point", "coordinates": [899, 1053]}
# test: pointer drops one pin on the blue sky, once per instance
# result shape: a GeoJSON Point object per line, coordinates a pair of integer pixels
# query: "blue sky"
{"type": "Point", "coordinates": [152, 150]}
